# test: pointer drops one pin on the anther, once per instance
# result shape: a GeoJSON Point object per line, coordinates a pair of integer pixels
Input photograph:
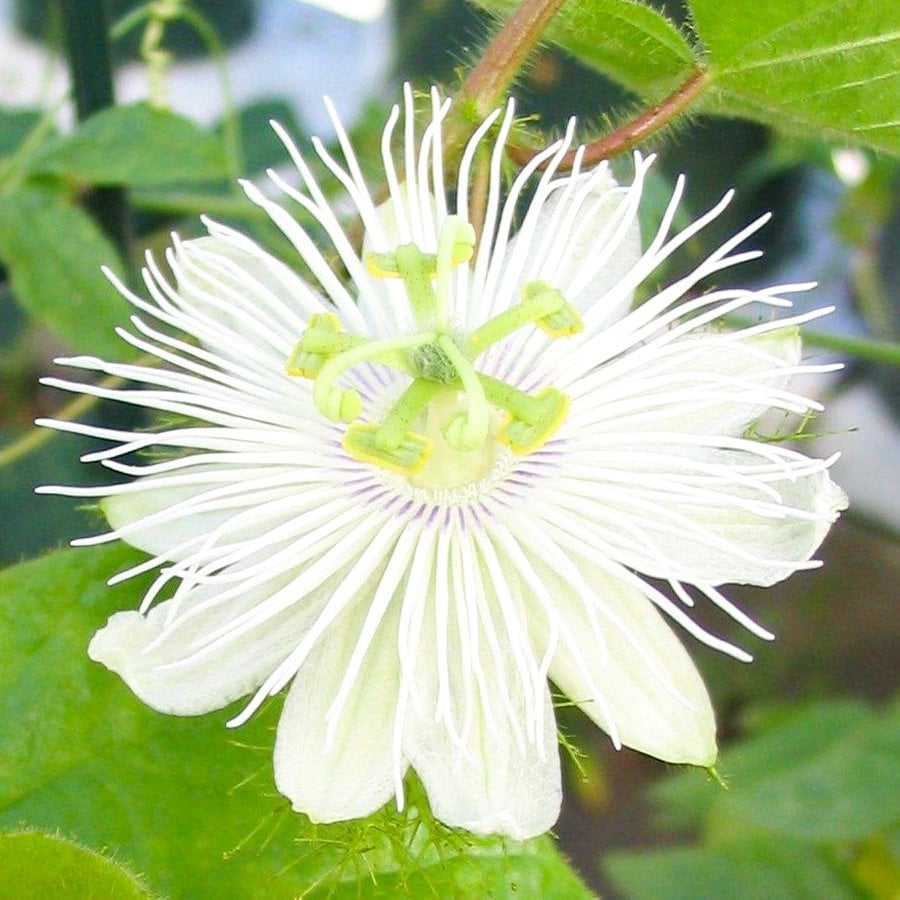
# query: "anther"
{"type": "Point", "coordinates": [419, 270]}
{"type": "Point", "coordinates": [322, 339]}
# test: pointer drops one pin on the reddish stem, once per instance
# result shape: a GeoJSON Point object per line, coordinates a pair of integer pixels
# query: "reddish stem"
{"type": "Point", "coordinates": [632, 133]}
{"type": "Point", "coordinates": [486, 84]}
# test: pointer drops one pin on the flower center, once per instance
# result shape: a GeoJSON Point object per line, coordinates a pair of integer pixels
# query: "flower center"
{"type": "Point", "coordinates": [443, 429]}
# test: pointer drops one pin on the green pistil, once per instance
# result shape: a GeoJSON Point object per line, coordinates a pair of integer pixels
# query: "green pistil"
{"type": "Point", "coordinates": [342, 405]}
{"type": "Point", "coordinates": [469, 430]}
{"type": "Point", "coordinates": [438, 362]}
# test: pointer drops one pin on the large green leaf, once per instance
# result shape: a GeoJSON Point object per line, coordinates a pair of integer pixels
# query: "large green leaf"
{"type": "Point", "coordinates": [627, 40]}
{"type": "Point", "coordinates": [751, 869]}
{"type": "Point", "coordinates": [187, 803]}
{"type": "Point", "coordinates": [54, 252]}
{"type": "Point", "coordinates": [138, 146]}
{"type": "Point", "coordinates": [687, 798]}
{"type": "Point", "coordinates": [848, 791]}
{"type": "Point", "coordinates": [260, 145]}
{"type": "Point", "coordinates": [814, 67]}
{"type": "Point", "coordinates": [35, 866]}
{"type": "Point", "coordinates": [830, 772]}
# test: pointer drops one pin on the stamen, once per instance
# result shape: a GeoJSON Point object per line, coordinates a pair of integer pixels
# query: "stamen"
{"type": "Point", "coordinates": [418, 270]}
{"type": "Point", "coordinates": [322, 339]}
{"type": "Point", "coordinates": [455, 246]}
{"type": "Point", "coordinates": [441, 361]}
{"type": "Point", "coordinates": [541, 305]}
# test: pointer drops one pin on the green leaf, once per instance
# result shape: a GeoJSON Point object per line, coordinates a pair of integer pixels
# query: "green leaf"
{"type": "Point", "coordinates": [183, 800]}
{"type": "Point", "coordinates": [757, 869]}
{"type": "Point", "coordinates": [34, 865]}
{"type": "Point", "coordinates": [54, 252]}
{"type": "Point", "coordinates": [528, 870]}
{"type": "Point", "coordinates": [15, 126]}
{"type": "Point", "coordinates": [688, 797]}
{"type": "Point", "coordinates": [137, 146]}
{"type": "Point", "coordinates": [849, 790]}
{"type": "Point", "coordinates": [830, 772]}
{"type": "Point", "coordinates": [261, 148]}
{"type": "Point", "coordinates": [813, 67]}
{"type": "Point", "coordinates": [626, 40]}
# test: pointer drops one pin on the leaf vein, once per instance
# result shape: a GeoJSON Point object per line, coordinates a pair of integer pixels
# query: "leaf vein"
{"type": "Point", "coordinates": [813, 53]}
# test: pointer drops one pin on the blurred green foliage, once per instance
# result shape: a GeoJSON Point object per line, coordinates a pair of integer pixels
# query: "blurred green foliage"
{"type": "Point", "coordinates": [812, 810]}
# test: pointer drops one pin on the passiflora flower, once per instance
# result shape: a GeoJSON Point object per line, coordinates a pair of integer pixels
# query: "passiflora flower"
{"type": "Point", "coordinates": [414, 497]}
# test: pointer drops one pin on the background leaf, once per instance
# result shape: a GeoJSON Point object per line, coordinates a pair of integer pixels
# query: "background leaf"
{"type": "Point", "coordinates": [185, 801]}
{"type": "Point", "coordinates": [260, 145]}
{"type": "Point", "coordinates": [54, 252]}
{"type": "Point", "coordinates": [813, 68]}
{"type": "Point", "coordinates": [749, 869]}
{"type": "Point", "coordinates": [630, 42]}
{"type": "Point", "coordinates": [37, 866]}
{"type": "Point", "coordinates": [808, 66]}
{"type": "Point", "coordinates": [15, 125]}
{"type": "Point", "coordinates": [136, 146]}
{"type": "Point", "coordinates": [812, 810]}
{"type": "Point", "coordinates": [830, 772]}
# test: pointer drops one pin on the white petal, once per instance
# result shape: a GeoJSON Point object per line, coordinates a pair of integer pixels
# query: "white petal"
{"type": "Point", "coordinates": [778, 547]}
{"type": "Point", "coordinates": [566, 235]}
{"type": "Point", "coordinates": [207, 682]}
{"type": "Point", "coordinates": [351, 775]}
{"type": "Point", "coordinates": [703, 384]}
{"type": "Point", "coordinates": [256, 283]}
{"type": "Point", "coordinates": [629, 672]}
{"type": "Point", "coordinates": [494, 786]}
{"type": "Point", "coordinates": [163, 533]}
{"type": "Point", "coordinates": [699, 515]}
{"type": "Point", "coordinates": [480, 770]}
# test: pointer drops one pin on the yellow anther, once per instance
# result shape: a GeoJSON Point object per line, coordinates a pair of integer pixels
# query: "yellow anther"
{"type": "Point", "coordinates": [548, 413]}
{"type": "Point", "coordinates": [407, 458]}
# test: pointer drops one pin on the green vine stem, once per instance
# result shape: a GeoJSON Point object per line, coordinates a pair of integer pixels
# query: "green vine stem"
{"type": "Point", "coordinates": [504, 58]}
{"type": "Point", "coordinates": [632, 133]}
{"type": "Point", "coordinates": [157, 13]}
{"type": "Point", "coordinates": [86, 31]}
{"type": "Point", "coordinates": [885, 352]}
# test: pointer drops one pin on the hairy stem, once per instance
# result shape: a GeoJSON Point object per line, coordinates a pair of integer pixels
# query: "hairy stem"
{"type": "Point", "coordinates": [486, 84]}
{"type": "Point", "coordinates": [632, 133]}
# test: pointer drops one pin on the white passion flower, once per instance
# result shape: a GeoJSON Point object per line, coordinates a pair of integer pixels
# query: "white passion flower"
{"type": "Point", "coordinates": [417, 496]}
